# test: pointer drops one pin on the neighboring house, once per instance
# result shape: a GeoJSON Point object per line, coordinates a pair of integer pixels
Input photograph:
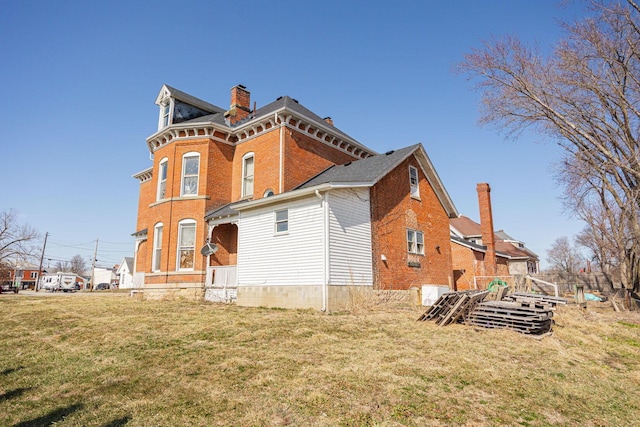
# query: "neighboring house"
{"type": "Point", "coordinates": [124, 273]}
{"type": "Point", "coordinates": [104, 275]}
{"type": "Point", "coordinates": [23, 276]}
{"type": "Point", "coordinates": [481, 255]}
{"type": "Point", "coordinates": [277, 207]}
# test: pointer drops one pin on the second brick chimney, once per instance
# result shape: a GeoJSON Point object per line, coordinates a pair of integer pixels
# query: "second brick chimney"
{"type": "Point", "coordinates": [240, 105]}
{"type": "Point", "coordinates": [486, 226]}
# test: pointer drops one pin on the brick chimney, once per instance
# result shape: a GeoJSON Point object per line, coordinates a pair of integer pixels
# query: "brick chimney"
{"type": "Point", "coordinates": [486, 226]}
{"type": "Point", "coordinates": [240, 105]}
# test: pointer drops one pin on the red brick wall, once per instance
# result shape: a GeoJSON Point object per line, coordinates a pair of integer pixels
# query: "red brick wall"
{"type": "Point", "coordinates": [266, 166]}
{"type": "Point", "coordinates": [225, 236]}
{"type": "Point", "coordinates": [468, 263]}
{"type": "Point", "coordinates": [393, 212]}
{"type": "Point", "coordinates": [305, 157]}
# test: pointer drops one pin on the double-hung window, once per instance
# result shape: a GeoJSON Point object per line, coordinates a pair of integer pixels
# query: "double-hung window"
{"type": "Point", "coordinates": [282, 221]}
{"type": "Point", "coordinates": [190, 173]}
{"type": "Point", "coordinates": [247, 175]}
{"type": "Point", "coordinates": [415, 242]}
{"type": "Point", "coordinates": [413, 182]}
{"type": "Point", "coordinates": [157, 247]}
{"type": "Point", "coordinates": [162, 179]}
{"type": "Point", "coordinates": [186, 244]}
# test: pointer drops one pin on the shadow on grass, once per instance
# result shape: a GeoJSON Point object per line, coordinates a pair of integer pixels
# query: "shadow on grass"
{"type": "Point", "coordinates": [118, 422]}
{"type": "Point", "coordinates": [13, 393]}
{"type": "Point", "coordinates": [11, 370]}
{"type": "Point", "coordinates": [52, 417]}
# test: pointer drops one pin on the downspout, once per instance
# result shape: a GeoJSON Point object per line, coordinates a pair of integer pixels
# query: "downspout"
{"type": "Point", "coordinates": [281, 160]}
{"type": "Point", "coordinates": [325, 251]}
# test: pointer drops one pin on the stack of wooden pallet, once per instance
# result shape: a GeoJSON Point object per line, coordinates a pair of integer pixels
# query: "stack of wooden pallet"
{"type": "Point", "coordinates": [453, 306]}
{"type": "Point", "coordinates": [529, 317]}
{"type": "Point", "coordinates": [526, 313]}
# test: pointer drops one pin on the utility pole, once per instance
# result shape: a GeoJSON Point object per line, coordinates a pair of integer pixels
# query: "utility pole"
{"type": "Point", "coordinates": [41, 259]}
{"type": "Point", "coordinates": [93, 266]}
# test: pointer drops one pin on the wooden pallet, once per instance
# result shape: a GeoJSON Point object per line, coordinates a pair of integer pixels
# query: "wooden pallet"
{"type": "Point", "coordinates": [550, 300]}
{"type": "Point", "coordinates": [529, 317]}
{"type": "Point", "coordinates": [453, 306]}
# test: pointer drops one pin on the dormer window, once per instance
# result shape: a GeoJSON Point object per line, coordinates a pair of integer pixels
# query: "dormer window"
{"type": "Point", "coordinates": [165, 113]}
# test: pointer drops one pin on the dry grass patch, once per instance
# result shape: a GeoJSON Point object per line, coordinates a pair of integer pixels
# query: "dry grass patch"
{"type": "Point", "coordinates": [108, 361]}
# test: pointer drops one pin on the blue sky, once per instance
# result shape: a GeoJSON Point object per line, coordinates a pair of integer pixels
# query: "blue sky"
{"type": "Point", "coordinates": [79, 80]}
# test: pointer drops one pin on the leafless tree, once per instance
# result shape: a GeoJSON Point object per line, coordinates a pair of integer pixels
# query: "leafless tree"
{"type": "Point", "coordinates": [585, 96]}
{"type": "Point", "coordinates": [16, 240]}
{"type": "Point", "coordinates": [564, 257]}
{"type": "Point", "coordinates": [62, 266]}
{"type": "Point", "coordinates": [77, 265]}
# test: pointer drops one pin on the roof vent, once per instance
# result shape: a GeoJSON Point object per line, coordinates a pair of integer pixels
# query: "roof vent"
{"type": "Point", "coordinates": [295, 100]}
{"type": "Point", "coordinates": [347, 164]}
{"type": "Point", "coordinates": [389, 152]}
{"type": "Point", "coordinates": [279, 98]}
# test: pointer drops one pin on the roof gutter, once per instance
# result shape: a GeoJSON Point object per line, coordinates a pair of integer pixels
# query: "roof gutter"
{"type": "Point", "coordinates": [296, 194]}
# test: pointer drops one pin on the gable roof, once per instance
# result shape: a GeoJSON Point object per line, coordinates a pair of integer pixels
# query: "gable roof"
{"type": "Point", "coordinates": [358, 173]}
{"type": "Point", "coordinates": [374, 168]}
{"type": "Point", "coordinates": [167, 90]}
{"type": "Point", "coordinates": [463, 228]}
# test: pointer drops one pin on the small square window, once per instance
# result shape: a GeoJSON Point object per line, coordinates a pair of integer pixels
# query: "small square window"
{"type": "Point", "coordinates": [282, 221]}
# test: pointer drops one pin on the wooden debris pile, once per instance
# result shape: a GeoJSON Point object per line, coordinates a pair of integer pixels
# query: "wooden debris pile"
{"type": "Point", "coordinates": [453, 306]}
{"type": "Point", "coordinates": [526, 313]}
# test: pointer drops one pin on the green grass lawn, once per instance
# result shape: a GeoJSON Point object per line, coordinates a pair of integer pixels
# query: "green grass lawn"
{"type": "Point", "coordinates": [111, 360]}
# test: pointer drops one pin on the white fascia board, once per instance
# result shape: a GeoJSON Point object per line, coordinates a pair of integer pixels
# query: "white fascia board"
{"type": "Point", "coordinates": [280, 111]}
{"type": "Point", "coordinates": [295, 194]}
{"type": "Point", "coordinates": [439, 188]}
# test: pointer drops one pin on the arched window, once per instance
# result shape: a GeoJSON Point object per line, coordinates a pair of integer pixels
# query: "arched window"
{"type": "Point", "coordinates": [247, 175]}
{"type": "Point", "coordinates": [190, 174]}
{"type": "Point", "coordinates": [162, 179]}
{"type": "Point", "coordinates": [268, 193]}
{"type": "Point", "coordinates": [186, 244]}
{"type": "Point", "coordinates": [157, 247]}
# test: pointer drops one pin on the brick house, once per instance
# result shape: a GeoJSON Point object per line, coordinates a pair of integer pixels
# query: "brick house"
{"type": "Point", "coordinates": [277, 207]}
{"type": "Point", "coordinates": [22, 276]}
{"type": "Point", "coordinates": [480, 254]}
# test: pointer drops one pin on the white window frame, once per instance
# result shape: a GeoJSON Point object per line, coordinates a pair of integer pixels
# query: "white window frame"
{"type": "Point", "coordinates": [34, 274]}
{"type": "Point", "coordinates": [156, 257]}
{"type": "Point", "coordinates": [184, 176]}
{"type": "Point", "coordinates": [268, 193]}
{"type": "Point", "coordinates": [415, 242]}
{"type": "Point", "coordinates": [414, 182]}
{"type": "Point", "coordinates": [248, 180]}
{"type": "Point", "coordinates": [181, 225]}
{"type": "Point", "coordinates": [162, 181]}
{"type": "Point", "coordinates": [282, 221]}
{"type": "Point", "coordinates": [166, 109]}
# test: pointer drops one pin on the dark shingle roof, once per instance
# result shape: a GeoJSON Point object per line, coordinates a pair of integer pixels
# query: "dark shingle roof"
{"type": "Point", "coordinates": [192, 100]}
{"type": "Point", "coordinates": [370, 169]}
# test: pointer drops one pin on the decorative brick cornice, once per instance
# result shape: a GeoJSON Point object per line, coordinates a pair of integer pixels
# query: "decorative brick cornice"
{"type": "Point", "coordinates": [144, 175]}
{"type": "Point", "coordinates": [256, 127]}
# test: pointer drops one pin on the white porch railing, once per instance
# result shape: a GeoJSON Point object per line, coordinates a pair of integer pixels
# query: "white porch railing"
{"type": "Point", "coordinates": [221, 284]}
{"type": "Point", "coordinates": [222, 276]}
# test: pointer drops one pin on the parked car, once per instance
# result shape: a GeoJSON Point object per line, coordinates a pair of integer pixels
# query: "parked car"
{"type": "Point", "coordinates": [8, 287]}
{"type": "Point", "coordinates": [102, 286]}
